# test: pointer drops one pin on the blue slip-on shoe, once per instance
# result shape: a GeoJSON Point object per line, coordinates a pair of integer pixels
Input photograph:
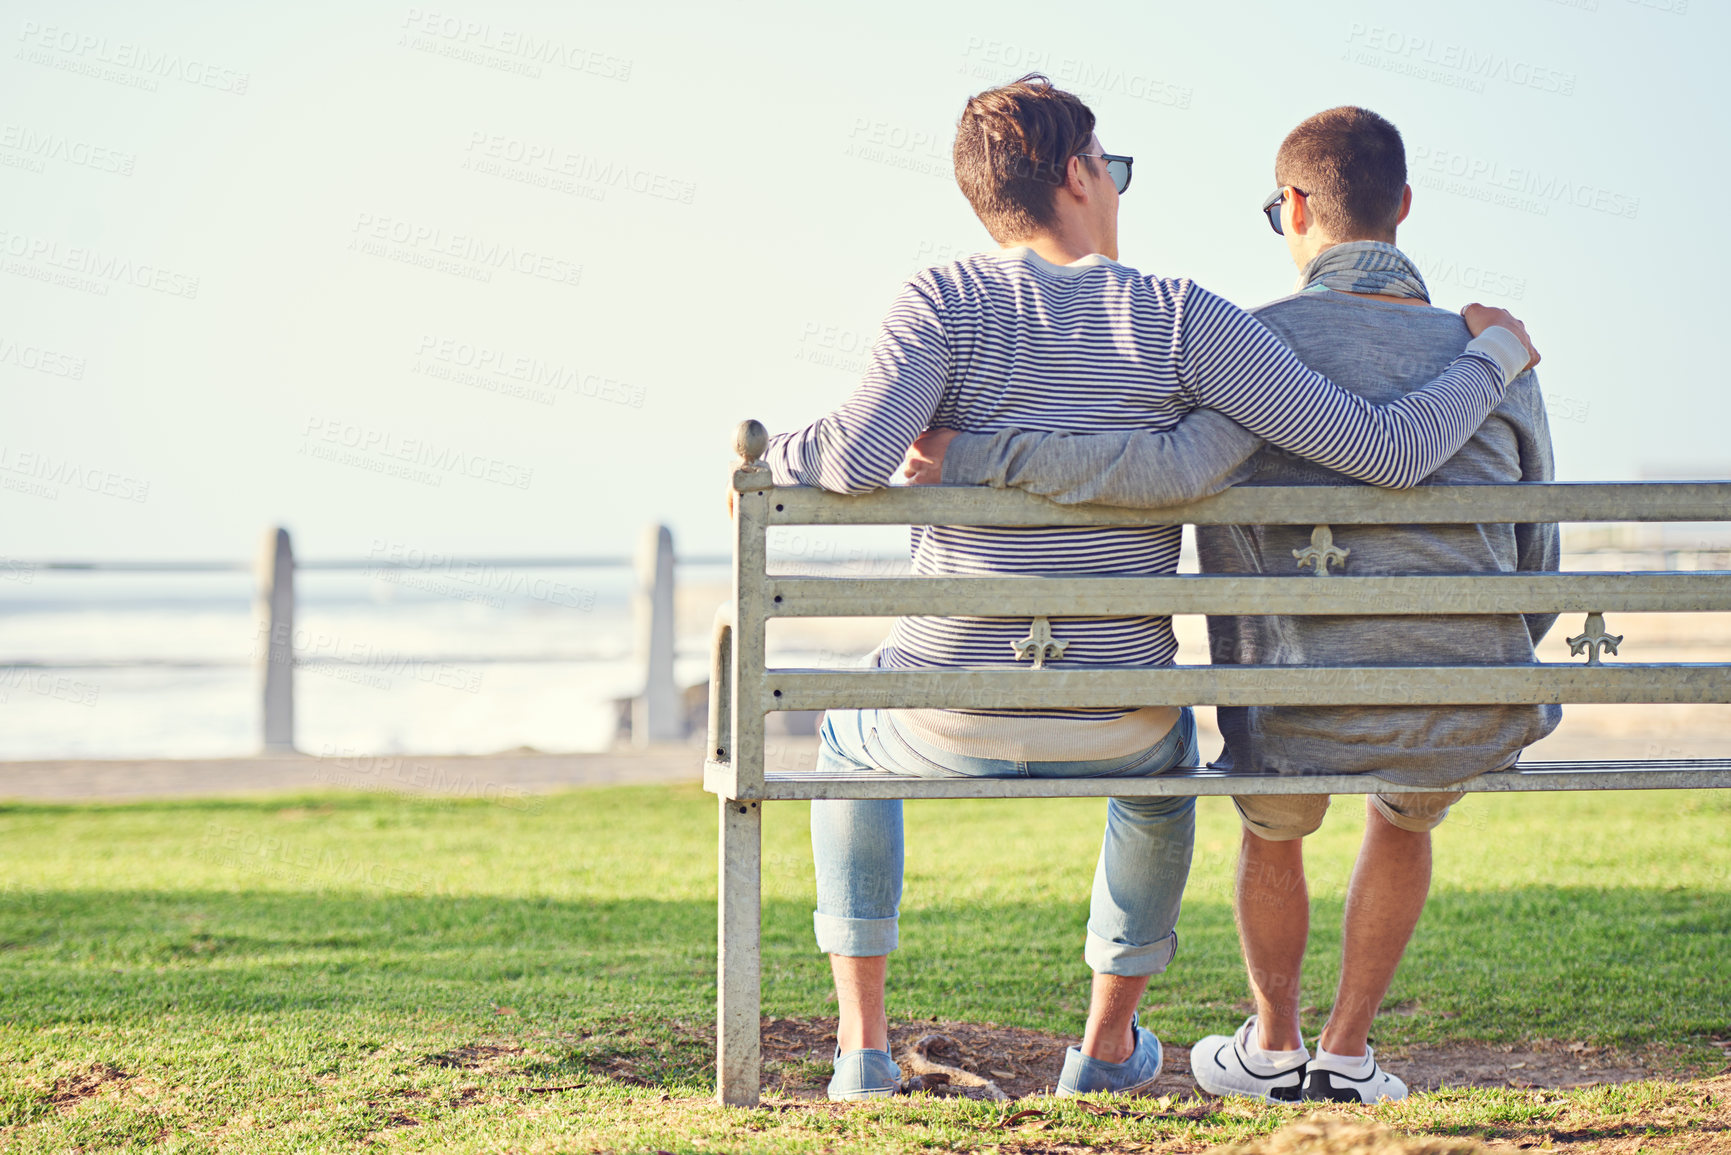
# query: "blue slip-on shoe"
{"type": "Point", "coordinates": [1083, 1075]}
{"type": "Point", "coordinates": [864, 1074]}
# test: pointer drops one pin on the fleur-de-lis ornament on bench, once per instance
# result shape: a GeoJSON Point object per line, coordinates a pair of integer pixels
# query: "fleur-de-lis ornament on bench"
{"type": "Point", "coordinates": [1039, 644]}
{"type": "Point", "coordinates": [1593, 638]}
{"type": "Point", "coordinates": [1321, 552]}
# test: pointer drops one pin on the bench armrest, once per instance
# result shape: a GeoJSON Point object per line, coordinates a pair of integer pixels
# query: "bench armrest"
{"type": "Point", "coordinates": [720, 750]}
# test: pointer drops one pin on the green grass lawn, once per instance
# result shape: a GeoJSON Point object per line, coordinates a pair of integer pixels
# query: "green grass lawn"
{"type": "Point", "coordinates": [282, 974]}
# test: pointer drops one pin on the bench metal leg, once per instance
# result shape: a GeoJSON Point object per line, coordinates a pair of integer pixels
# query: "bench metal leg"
{"type": "Point", "coordinates": [738, 1040]}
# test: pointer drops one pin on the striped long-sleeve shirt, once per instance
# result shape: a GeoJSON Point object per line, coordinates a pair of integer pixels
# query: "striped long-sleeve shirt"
{"type": "Point", "coordinates": [1008, 340]}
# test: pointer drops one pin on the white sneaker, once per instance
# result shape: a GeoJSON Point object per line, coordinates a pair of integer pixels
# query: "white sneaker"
{"type": "Point", "coordinates": [1368, 1083]}
{"type": "Point", "coordinates": [1222, 1066]}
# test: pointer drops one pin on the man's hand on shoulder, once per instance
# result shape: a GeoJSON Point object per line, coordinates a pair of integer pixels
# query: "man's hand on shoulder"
{"type": "Point", "coordinates": [925, 461]}
{"type": "Point", "coordinates": [1481, 317]}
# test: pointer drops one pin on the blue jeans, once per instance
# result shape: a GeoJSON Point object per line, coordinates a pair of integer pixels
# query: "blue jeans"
{"type": "Point", "coordinates": [1144, 859]}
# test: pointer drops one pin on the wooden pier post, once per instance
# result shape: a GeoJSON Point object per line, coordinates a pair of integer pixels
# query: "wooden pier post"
{"type": "Point", "coordinates": [657, 714]}
{"type": "Point", "coordinates": [275, 611]}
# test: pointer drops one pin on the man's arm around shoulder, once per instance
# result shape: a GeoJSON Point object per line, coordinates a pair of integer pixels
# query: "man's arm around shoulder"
{"type": "Point", "coordinates": [1200, 456]}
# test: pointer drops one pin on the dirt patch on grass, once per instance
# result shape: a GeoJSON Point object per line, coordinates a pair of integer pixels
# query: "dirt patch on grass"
{"type": "Point", "coordinates": [620, 1069]}
{"type": "Point", "coordinates": [1554, 1066]}
{"type": "Point", "coordinates": [797, 1055]}
{"type": "Point", "coordinates": [72, 1090]}
{"type": "Point", "coordinates": [636, 1051]}
{"type": "Point", "coordinates": [474, 1057]}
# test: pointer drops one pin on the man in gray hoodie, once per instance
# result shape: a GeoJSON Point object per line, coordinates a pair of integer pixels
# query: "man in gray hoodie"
{"type": "Point", "coordinates": [1361, 315]}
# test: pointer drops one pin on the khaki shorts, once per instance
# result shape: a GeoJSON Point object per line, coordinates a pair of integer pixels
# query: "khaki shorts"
{"type": "Point", "coordinates": [1283, 817]}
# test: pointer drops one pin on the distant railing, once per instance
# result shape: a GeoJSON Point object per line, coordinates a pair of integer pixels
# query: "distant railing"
{"type": "Point", "coordinates": [658, 713]}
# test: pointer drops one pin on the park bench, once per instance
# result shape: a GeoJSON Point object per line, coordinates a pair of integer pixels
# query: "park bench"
{"type": "Point", "coordinates": [744, 690]}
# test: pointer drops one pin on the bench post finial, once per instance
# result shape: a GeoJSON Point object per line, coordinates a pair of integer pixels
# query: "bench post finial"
{"type": "Point", "coordinates": [750, 441]}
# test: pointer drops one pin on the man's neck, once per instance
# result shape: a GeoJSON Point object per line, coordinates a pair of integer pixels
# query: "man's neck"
{"type": "Point", "coordinates": [1058, 248]}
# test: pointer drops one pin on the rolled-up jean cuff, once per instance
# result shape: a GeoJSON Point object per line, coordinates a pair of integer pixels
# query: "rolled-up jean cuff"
{"type": "Point", "coordinates": [1105, 957]}
{"type": "Point", "coordinates": [854, 937]}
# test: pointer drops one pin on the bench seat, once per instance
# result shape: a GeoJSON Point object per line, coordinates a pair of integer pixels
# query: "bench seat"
{"type": "Point", "coordinates": [1672, 774]}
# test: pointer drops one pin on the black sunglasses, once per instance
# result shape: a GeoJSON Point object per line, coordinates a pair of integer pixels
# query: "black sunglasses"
{"type": "Point", "coordinates": [1117, 166]}
{"type": "Point", "coordinates": [1271, 206]}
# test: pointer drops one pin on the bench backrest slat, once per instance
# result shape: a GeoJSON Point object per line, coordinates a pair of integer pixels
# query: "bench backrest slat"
{"type": "Point", "coordinates": [1010, 689]}
{"type": "Point", "coordinates": [1577, 501]}
{"type": "Point", "coordinates": [1084, 595]}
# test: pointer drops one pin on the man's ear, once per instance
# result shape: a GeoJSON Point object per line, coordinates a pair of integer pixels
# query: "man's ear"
{"type": "Point", "coordinates": [1405, 204]}
{"type": "Point", "coordinates": [1300, 215]}
{"type": "Point", "coordinates": [1073, 178]}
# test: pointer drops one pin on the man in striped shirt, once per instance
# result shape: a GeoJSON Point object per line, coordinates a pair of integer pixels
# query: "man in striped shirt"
{"type": "Point", "coordinates": [1048, 333]}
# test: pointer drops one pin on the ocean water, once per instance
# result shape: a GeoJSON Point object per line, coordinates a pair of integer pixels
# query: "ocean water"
{"type": "Point", "coordinates": [98, 665]}
{"type": "Point", "coordinates": [143, 665]}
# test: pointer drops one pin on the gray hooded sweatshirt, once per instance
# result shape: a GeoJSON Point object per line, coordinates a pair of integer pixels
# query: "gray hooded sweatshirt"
{"type": "Point", "coordinates": [1380, 351]}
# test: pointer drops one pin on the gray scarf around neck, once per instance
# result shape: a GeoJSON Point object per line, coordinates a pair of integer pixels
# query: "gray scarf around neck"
{"type": "Point", "coordinates": [1363, 267]}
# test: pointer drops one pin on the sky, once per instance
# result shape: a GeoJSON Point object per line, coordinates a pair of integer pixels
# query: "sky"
{"type": "Point", "coordinates": [501, 278]}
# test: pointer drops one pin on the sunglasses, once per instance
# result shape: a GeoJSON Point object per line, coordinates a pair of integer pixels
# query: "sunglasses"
{"type": "Point", "coordinates": [1117, 166]}
{"type": "Point", "coordinates": [1271, 206]}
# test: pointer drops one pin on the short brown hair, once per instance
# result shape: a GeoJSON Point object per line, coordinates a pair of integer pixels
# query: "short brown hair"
{"type": "Point", "coordinates": [1013, 150]}
{"type": "Point", "coordinates": [1352, 165]}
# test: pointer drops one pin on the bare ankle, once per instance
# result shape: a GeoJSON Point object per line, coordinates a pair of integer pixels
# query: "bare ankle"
{"type": "Point", "coordinates": [1340, 1043]}
{"type": "Point", "coordinates": [1110, 1046]}
{"type": "Point", "coordinates": [861, 1021]}
{"type": "Point", "coordinates": [1276, 1034]}
{"type": "Point", "coordinates": [853, 1036]}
